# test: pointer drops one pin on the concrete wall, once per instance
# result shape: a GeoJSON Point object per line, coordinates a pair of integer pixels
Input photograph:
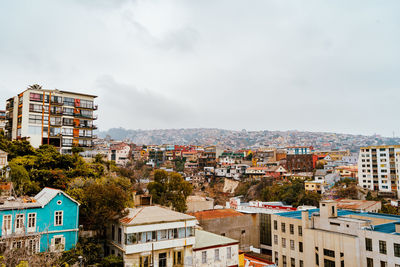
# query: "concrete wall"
{"type": "Point", "coordinates": [244, 228]}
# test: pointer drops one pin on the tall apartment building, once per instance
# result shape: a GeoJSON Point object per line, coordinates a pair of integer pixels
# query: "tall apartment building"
{"type": "Point", "coordinates": [378, 169]}
{"type": "Point", "coordinates": [331, 237]}
{"type": "Point", "coordinates": [2, 120]}
{"type": "Point", "coordinates": [60, 118]}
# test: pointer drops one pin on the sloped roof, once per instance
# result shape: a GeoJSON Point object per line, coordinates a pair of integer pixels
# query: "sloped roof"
{"type": "Point", "coordinates": [47, 194]}
{"type": "Point", "coordinates": [206, 239]}
{"type": "Point", "coordinates": [153, 214]}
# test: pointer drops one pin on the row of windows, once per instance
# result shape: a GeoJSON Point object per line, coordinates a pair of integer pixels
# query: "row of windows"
{"type": "Point", "coordinates": [144, 237]}
{"type": "Point", "coordinates": [291, 228]}
{"type": "Point", "coordinates": [284, 261]}
{"type": "Point", "coordinates": [216, 255]}
{"type": "Point", "coordinates": [58, 99]}
{"type": "Point", "coordinates": [19, 222]}
{"type": "Point", "coordinates": [292, 246]}
{"type": "Point", "coordinates": [382, 247]}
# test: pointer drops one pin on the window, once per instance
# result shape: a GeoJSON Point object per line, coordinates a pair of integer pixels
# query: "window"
{"type": "Point", "coordinates": [31, 220]}
{"type": "Point", "coordinates": [178, 259]}
{"type": "Point", "coordinates": [275, 225]}
{"type": "Point", "coordinates": [284, 242]}
{"type": "Point", "coordinates": [300, 229]}
{"type": "Point", "coordinates": [396, 248]}
{"type": "Point", "coordinates": [292, 244]}
{"type": "Point", "coordinates": [130, 239]}
{"type": "Point", "coordinates": [283, 227]}
{"type": "Point", "coordinates": [370, 262]}
{"type": "Point", "coordinates": [292, 262]}
{"type": "Point", "coordinates": [228, 252]}
{"type": "Point", "coordinates": [216, 254]}
{"type": "Point", "coordinates": [329, 253]}
{"type": "Point", "coordinates": [291, 226]}
{"type": "Point", "coordinates": [276, 258]}
{"type": "Point", "coordinates": [368, 244]}
{"type": "Point", "coordinates": [58, 218]}
{"type": "Point", "coordinates": [284, 261]}
{"type": "Point", "coordinates": [204, 257]}
{"type": "Point", "coordinates": [58, 243]}
{"type": "Point", "coordinates": [69, 101]}
{"type": "Point", "coordinates": [162, 259]}
{"type": "Point", "coordinates": [32, 246]}
{"type": "Point", "coordinates": [382, 247]}
{"type": "Point", "coordinates": [301, 246]}
{"type": "Point", "coordinates": [329, 263]}
{"type": "Point", "coordinates": [144, 261]}
{"type": "Point", "coordinates": [119, 235]}
{"type": "Point", "coordinates": [383, 264]}
{"type": "Point", "coordinates": [19, 221]}
{"type": "Point", "coordinates": [7, 219]}
{"type": "Point", "coordinates": [275, 239]}
{"type": "Point", "coordinates": [316, 259]}
{"type": "Point", "coordinates": [301, 263]}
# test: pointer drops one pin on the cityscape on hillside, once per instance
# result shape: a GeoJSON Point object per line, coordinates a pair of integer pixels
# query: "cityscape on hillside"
{"type": "Point", "coordinates": [248, 139]}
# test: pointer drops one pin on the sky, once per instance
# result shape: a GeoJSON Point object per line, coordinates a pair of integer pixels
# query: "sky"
{"type": "Point", "coordinates": [331, 66]}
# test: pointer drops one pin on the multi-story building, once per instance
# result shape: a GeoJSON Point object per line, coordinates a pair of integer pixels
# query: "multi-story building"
{"type": "Point", "coordinates": [2, 120]}
{"type": "Point", "coordinates": [46, 222]}
{"type": "Point", "coordinates": [120, 153]}
{"type": "Point", "coordinates": [60, 118]}
{"type": "Point", "coordinates": [153, 236]}
{"type": "Point", "coordinates": [331, 237]}
{"type": "Point", "coordinates": [379, 169]}
{"type": "Point", "coordinates": [3, 159]}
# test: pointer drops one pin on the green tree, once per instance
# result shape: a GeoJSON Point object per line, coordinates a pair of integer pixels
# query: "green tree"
{"type": "Point", "coordinates": [170, 189]}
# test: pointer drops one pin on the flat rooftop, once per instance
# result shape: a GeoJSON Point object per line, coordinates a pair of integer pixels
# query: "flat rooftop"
{"type": "Point", "coordinates": [388, 227]}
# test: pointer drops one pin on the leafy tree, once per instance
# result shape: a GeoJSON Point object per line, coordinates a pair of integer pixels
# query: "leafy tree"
{"type": "Point", "coordinates": [179, 164]}
{"type": "Point", "coordinates": [89, 248]}
{"type": "Point", "coordinates": [100, 203]}
{"type": "Point", "coordinates": [170, 189]}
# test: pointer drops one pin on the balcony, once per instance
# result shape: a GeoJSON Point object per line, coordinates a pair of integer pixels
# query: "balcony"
{"type": "Point", "coordinates": [56, 112]}
{"type": "Point", "coordinates": [57, 124]}
{"type": "Point", "coordinates": [56, 103]}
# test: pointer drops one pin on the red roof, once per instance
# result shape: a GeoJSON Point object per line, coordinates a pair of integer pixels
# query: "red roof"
{"type": "Point", "coordinates": [214, 214]}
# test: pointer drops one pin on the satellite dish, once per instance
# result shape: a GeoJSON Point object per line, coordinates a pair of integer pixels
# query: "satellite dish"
{"type": "Point", "coordinates": [8, 169]}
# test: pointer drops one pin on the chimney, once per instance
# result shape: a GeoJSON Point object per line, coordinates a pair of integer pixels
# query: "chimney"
{"type": "Point", "coordinates": [328, 209]}
{"type": "Point", "coordinates": [305, 219]}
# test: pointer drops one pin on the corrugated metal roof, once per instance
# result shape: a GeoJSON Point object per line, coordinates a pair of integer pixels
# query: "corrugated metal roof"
{"type": "Point", "coordinates": [47, 194]}
{"type": "Point", "coordinates": [153, 214]}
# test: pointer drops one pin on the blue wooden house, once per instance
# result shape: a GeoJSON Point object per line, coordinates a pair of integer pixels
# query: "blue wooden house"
{"type": "Point", "coordinates": [46, 222]}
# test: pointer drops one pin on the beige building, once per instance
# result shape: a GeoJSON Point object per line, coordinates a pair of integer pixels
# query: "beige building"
{"type": "Point", "coordinates": [153, 236]}
{"type": "Point", "coordinates": [214, 250]}
{"type": "Point", "coordinates": [199, 203]}
{"type": "Point", "coordinates": [232, 224]}
{"type": "Point", "coordinates": [3, 159]}
{"type": "Point", "coordinates": [2, 120]}
{"type": "Point", "coordinates": [44, 116]}
{"type": "Point", "coordinates": [331, 237]}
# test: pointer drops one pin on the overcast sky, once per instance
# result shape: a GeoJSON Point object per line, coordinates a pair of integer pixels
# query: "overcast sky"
{"type": "Point", "coordinates": [274, 65]}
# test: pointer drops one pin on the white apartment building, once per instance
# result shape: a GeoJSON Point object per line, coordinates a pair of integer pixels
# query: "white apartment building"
{"type": "Point", "coordinates": [153, 236]}
{"type": "Point", "coordinates": [331, 237]}
{"type": "Point", "coordinates": [378, 169]}
{"type": "Point", "coordinates": [3, 159]}
{"type": "Point", "coordinates": [60, 118]}
{"type": "Point", "coordinates": [215, 250]}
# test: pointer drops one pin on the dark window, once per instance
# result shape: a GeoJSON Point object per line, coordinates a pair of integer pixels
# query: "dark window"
{"type": "Point", "coordinates": [119, 235]}
{"type": "Point", "coordinates": [368, 244]}
{"type": "Point", "coordinates": [396, 249]}
{"type": "Point", "coordinates": [162, 260]}
{"type": "Point", "coordinates": [301, 246]}
{"type": "Point", "coordinates": [283, 227]}
{"type": "Point", "coordinates": [284, 261]}
{"type": "Point", "coordinates": [316, 259]}
{"type": "Point", "coordinates": [291, 226]}
{"type": "Point", "coordinates": [383, 264]}
{"type": "Point", "coordinates": [292, 262]}
{"type": "Point", "coordinates": [329, 263]}
{"type": "Point", "coordinates": [382, 247]}
{"type": "Point", "coordinates": [329, 253]}
{"type": "Point", "coordinates": [300, 229]}
{"type": "Point", "coordinates": [301, 264]}
{"type": "Point", "coordinates": [275, 225]}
